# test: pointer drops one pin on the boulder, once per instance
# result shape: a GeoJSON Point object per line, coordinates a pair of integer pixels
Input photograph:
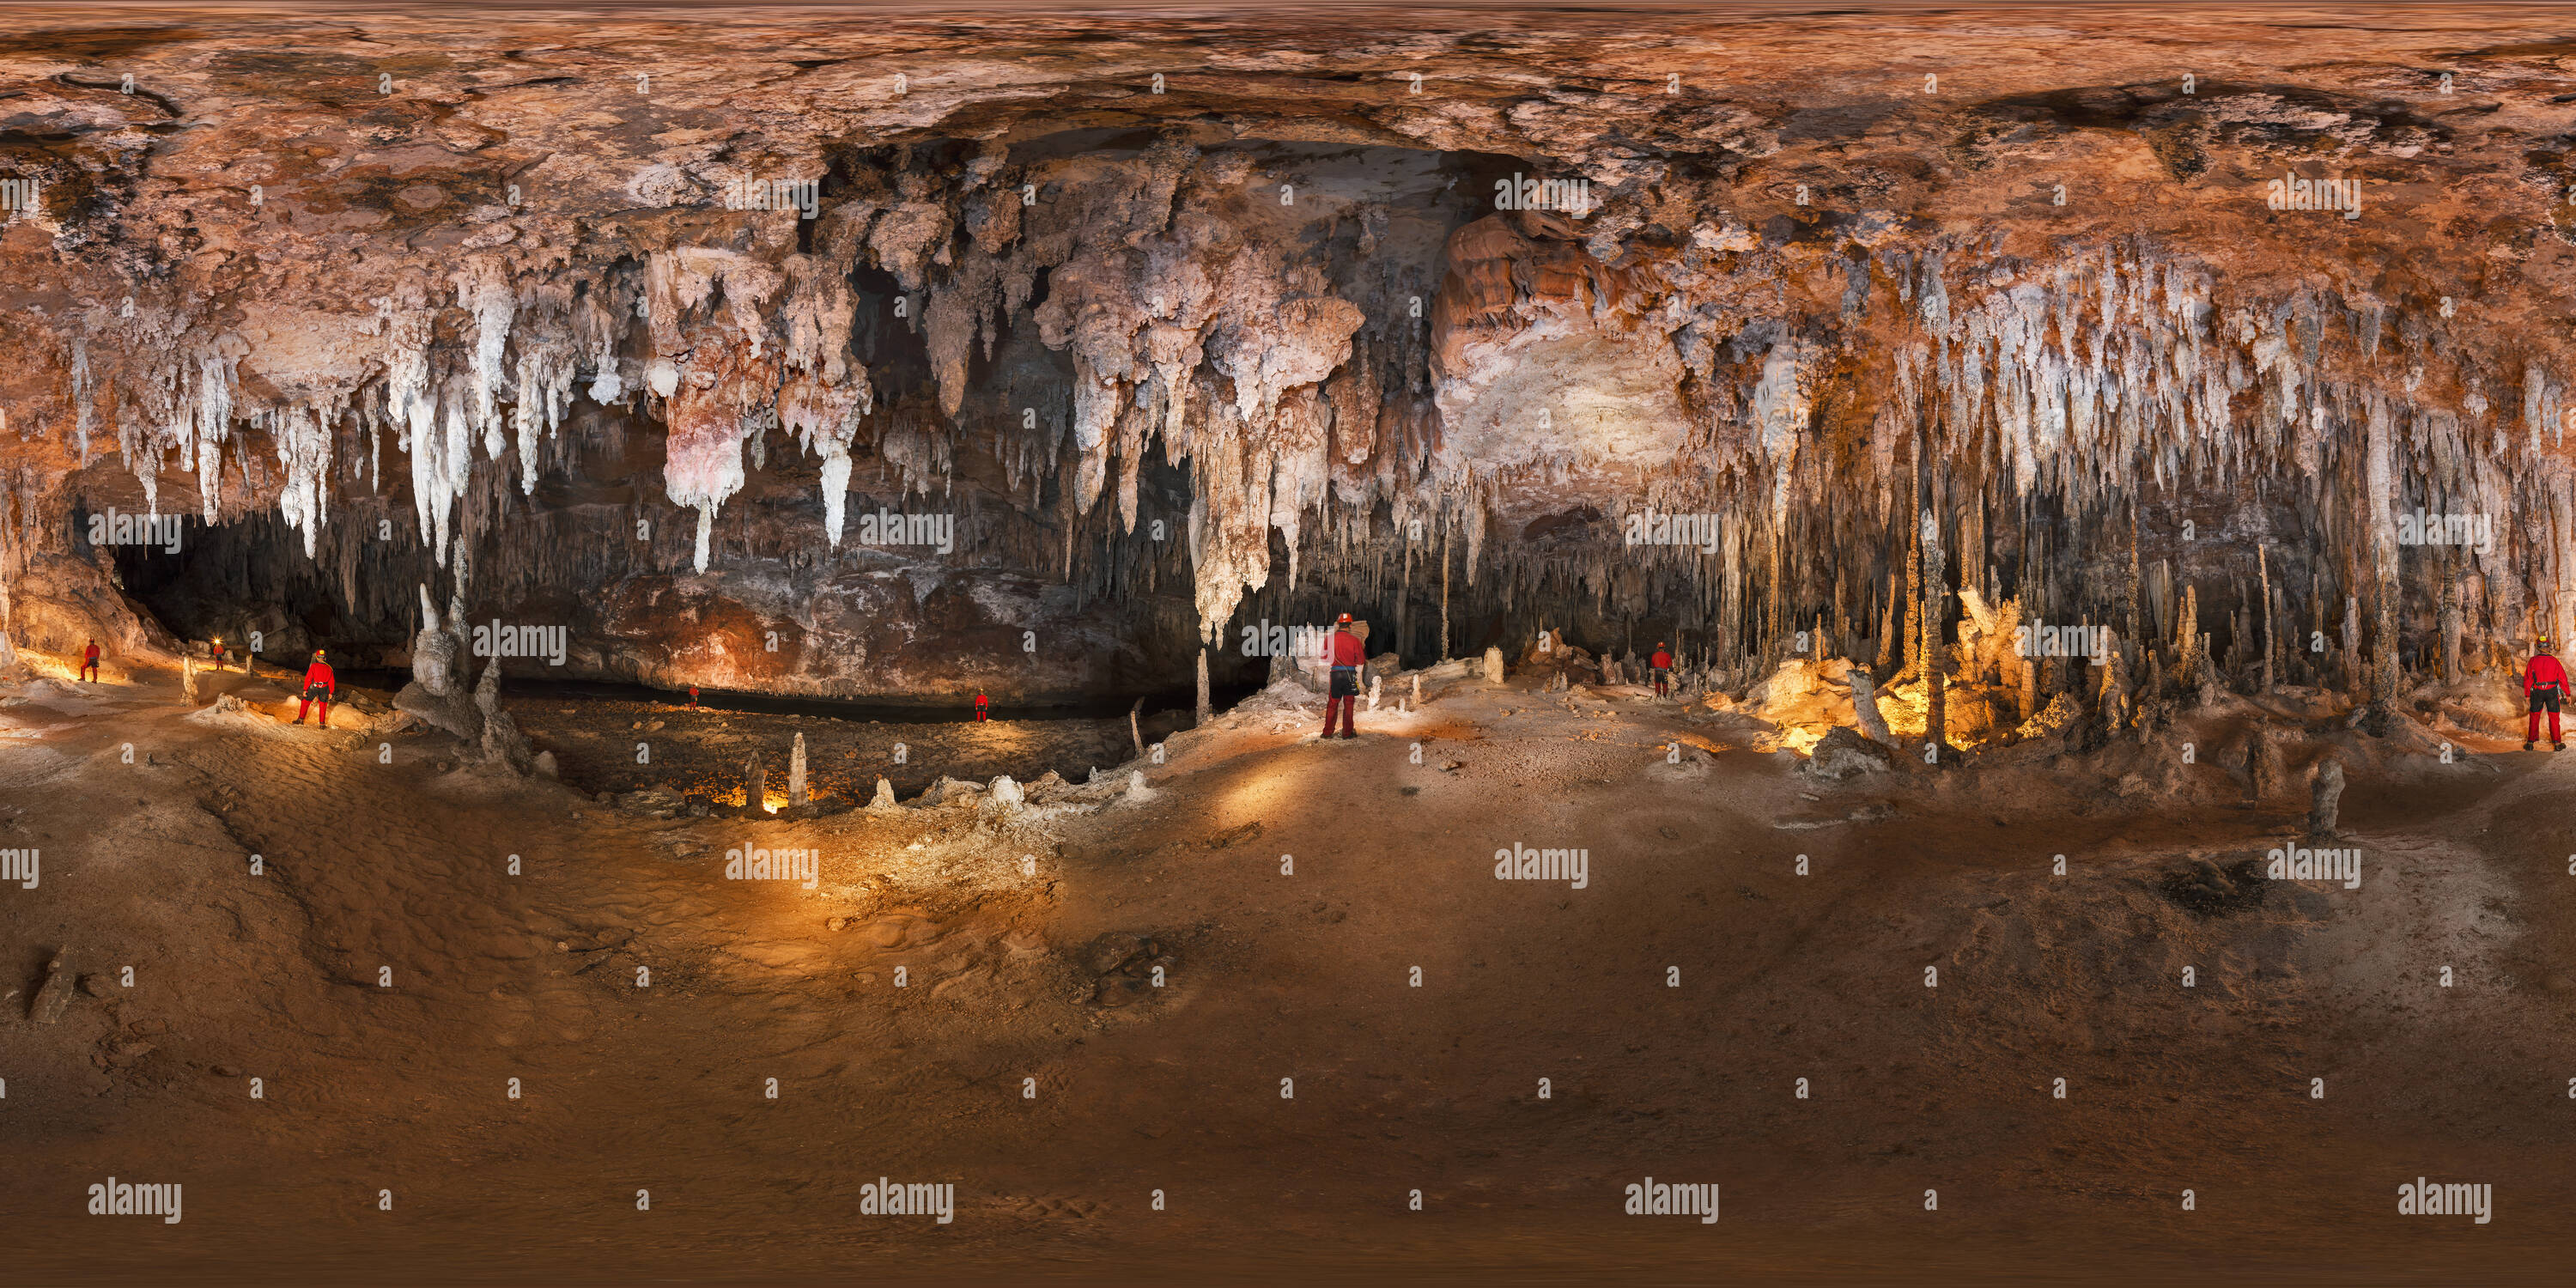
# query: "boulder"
{"type": "Point", "coordinates": [1843, 753]}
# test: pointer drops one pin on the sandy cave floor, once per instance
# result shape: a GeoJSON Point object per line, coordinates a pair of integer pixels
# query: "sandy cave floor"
{"type": "Point", "coordinates": [1042, 972]}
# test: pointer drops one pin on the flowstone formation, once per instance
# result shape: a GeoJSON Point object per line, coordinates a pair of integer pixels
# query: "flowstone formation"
{"type": "Point", "coordinates": [1034, 355]}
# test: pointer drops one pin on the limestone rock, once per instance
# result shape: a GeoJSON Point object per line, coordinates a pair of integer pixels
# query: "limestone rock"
{"type": "Point", "coordinates": [2059, 716]}
{"type": "Point", "coordinates": [52, 995]}
{"type": "Point", "coordinates": [1843, 753]}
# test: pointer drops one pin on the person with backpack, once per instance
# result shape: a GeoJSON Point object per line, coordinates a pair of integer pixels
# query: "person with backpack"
{"type": "Point", "coordinates": [319, 686]}
{"type": "Point", "coordinates": [1346, 655]}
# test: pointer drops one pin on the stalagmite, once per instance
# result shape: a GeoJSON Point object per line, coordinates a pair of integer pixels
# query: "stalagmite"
{"type": "Point", "coordinates": [498, 739]}
{"type": "Point", "coordinates": [2027, 671]}
{"type": "Point", "coordinates": [1493, 666]}
{"type": "Point", "coordinates": [1887, 629]}
{"type": "Point", "coordinates": [2111, 703]}
{"type": "Point", "coordinates": [188, 680]}
{"type": "Point", "coordinates": [1865, 707]}
{"type": "Point", "coordinates": [2262, 767]}
{"type": "Point", "coordinates": [2187, 641]}
{"type": "Point", "coordinates": [2325, 794]}
{"type": "Point", "coordinates": [884, 798]}
{"type": "Point", "coordinates": [2132, 625]}
{"type": "Point", "coordinates": [796, 797]}
{"type": "Point", "coordinates": [1916, 636]}
{"type": "Point", "coordinates": [2271, 644]}
{"type": "Point", "coordinates": [2450, 627]}
{"type": "Point", "coordinates": [1935, 591]}
{"type": "Point", "coordinates": [755, 784]}
{"type": "Point", "coordinates": [1205, 711]}
{"type": "Point", "coordinates": [1372, 693]}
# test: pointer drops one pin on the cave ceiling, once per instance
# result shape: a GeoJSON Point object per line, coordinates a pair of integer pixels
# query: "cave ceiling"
{"type": "Point", "coordinates": [1264, 277]}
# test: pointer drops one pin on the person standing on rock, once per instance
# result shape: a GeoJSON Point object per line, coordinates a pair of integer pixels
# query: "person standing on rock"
{"type": "Point", "coordinates": [319, 686]}
{"type": "Point", "coordinates": [983, 707]}
{"type": "Point", "coordinates": [89, 663]}
{"type": "Point", "coordinates": [2544, 681]}
{"type": "Point", "coordinates": [1662, 664]}
{"type": "Point", "coordinates": [1347, 656]}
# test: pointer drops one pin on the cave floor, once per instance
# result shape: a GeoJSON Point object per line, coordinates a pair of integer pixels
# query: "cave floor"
{"type": "Point", "coordinates": [386, 978]}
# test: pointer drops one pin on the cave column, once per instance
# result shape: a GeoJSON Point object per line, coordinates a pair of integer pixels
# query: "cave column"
{"type": "Point", "coordinates": [2129, 624]}
{"type": "Point", "coordinates": [2263, 568]}
{"type": "Point", "coordinates": [2383, 560]}
{"type": "Point", "coordinates": [2450, 626]}
{"type": "Point", "coordinates": [1205, 711]}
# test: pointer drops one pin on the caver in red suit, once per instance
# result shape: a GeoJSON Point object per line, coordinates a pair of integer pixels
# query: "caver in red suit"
{"type": "Point", "coordinates": [320, 688]}
{"type": "Point", "coordinates": [2544, 682]}
{"type": "Point", "coordinates": [1347, 656]}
